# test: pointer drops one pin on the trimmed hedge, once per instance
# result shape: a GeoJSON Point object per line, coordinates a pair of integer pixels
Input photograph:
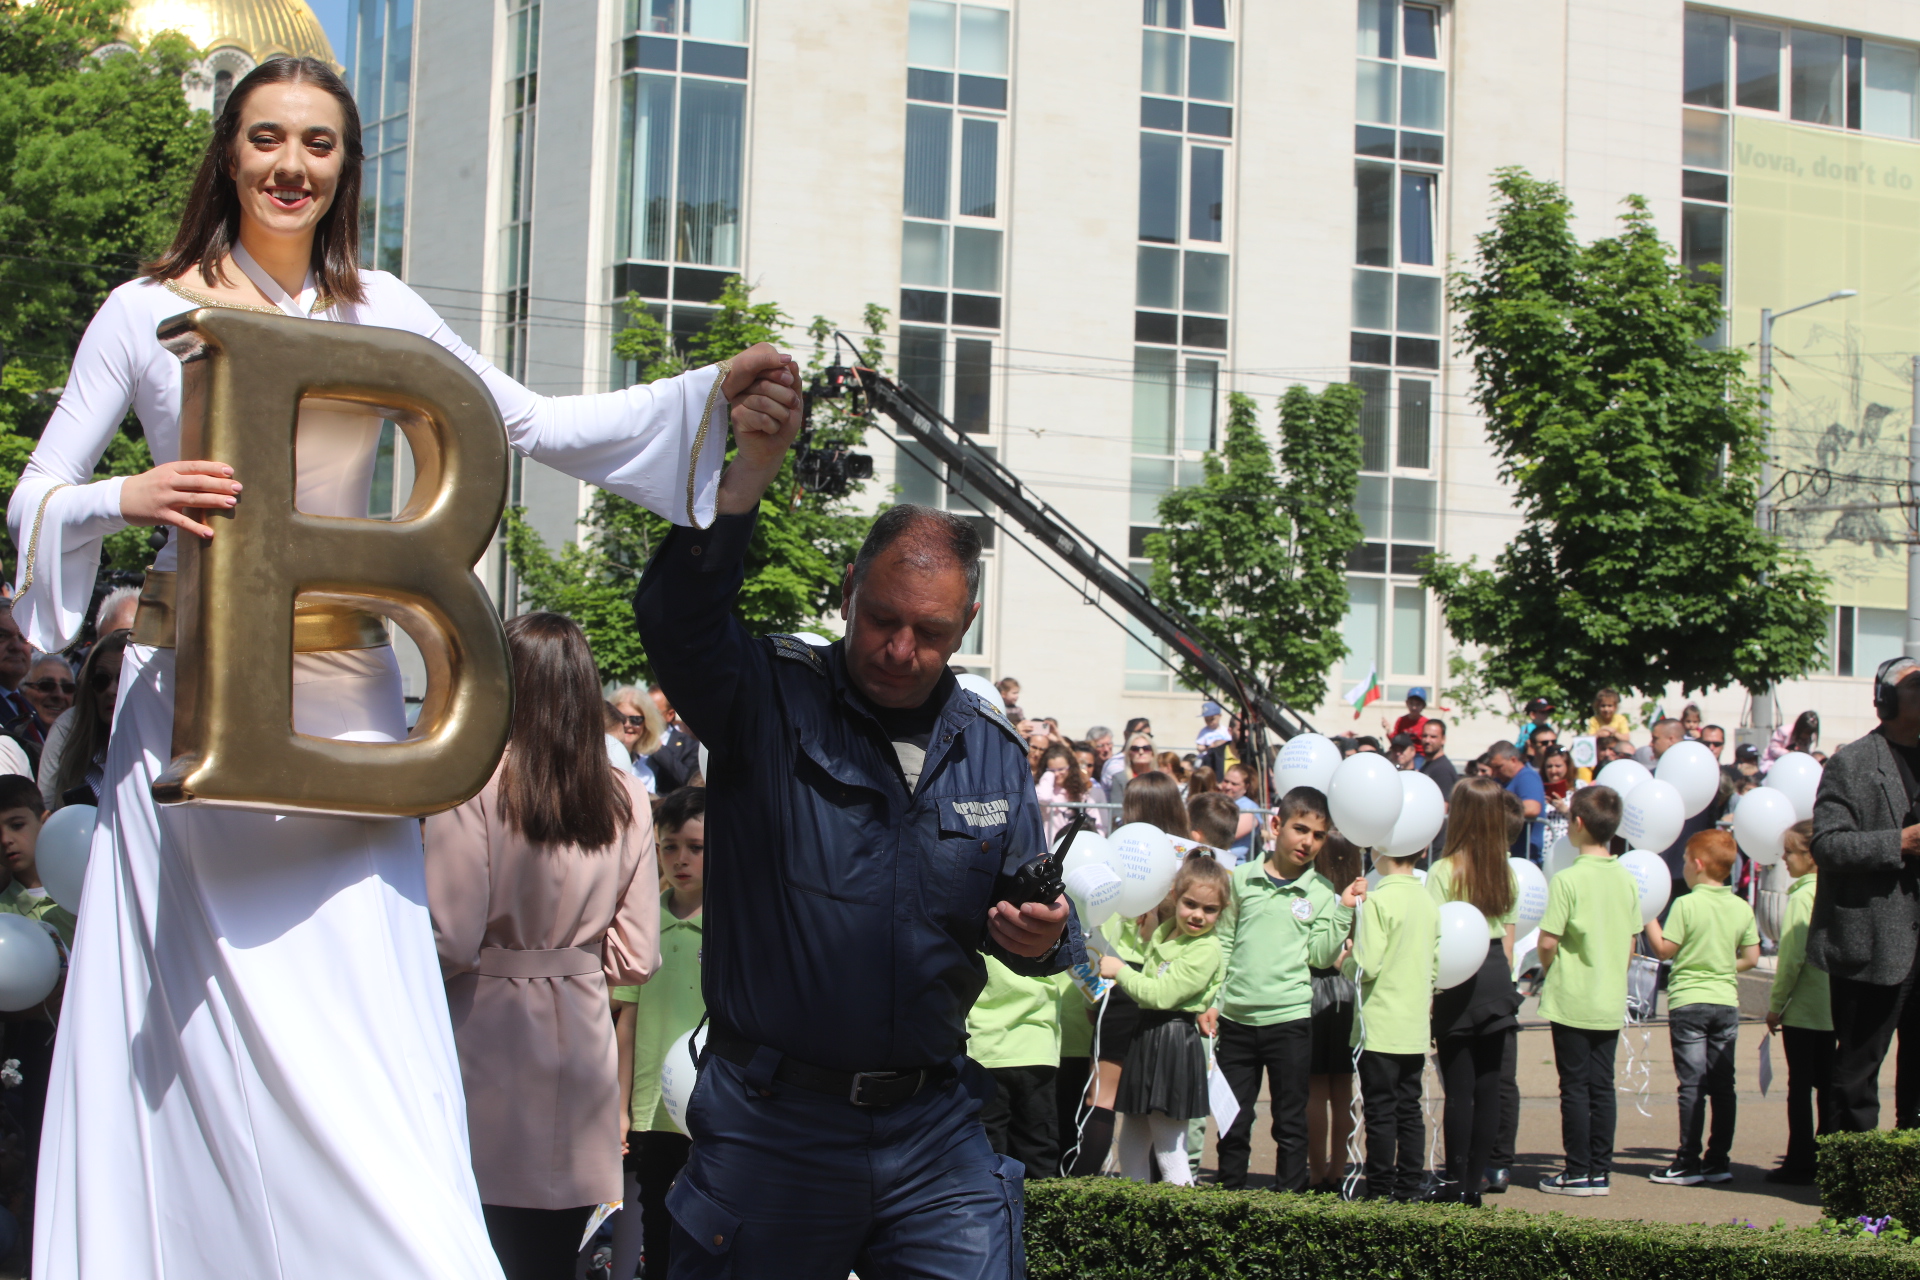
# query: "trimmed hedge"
{"type": "Point", "coordinates": [1875, 1174]}
{"type": "Point", "coordinates": [1106, 1229]}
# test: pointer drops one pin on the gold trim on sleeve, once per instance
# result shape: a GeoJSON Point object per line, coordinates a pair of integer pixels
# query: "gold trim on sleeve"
{"type": "Point", "coordinates": [33, 542]}
{"type": "Point", "coordinates": [720, 372]}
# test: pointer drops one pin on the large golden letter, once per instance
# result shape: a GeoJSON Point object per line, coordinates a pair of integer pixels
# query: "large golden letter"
{"type": "Point", "coordinates": [246, 374]}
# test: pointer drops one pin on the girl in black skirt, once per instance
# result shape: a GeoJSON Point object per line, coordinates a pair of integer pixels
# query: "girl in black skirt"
{"type": "Point", "coordinates": [1330, 1079]}
{"type": "Point", "coordinates": [1473, 1022]}
{"type": "Point", "coordinates": [1164, 1083]}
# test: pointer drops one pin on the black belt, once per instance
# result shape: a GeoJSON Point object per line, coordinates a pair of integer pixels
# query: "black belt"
{"type": "Point", "coordinates": [861, 1088]}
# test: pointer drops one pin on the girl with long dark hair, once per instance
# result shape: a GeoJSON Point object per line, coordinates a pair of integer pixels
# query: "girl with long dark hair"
{"type": "Point", "coordinates": [255, 1076]}
{"type": "Point", "coordinates": [81, 768]}
{"type": "Point", "coordinates": [1472, 1022]}
{"type": "Point", "coordinates": [543, 892]}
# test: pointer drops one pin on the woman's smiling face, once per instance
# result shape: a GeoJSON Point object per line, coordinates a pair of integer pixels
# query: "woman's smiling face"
{"type": "Point", "coordinates": [287, 157]}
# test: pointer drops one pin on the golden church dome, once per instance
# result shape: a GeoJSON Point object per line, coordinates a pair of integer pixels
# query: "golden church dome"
{"type": "Point", "coordinates": [259, 28]}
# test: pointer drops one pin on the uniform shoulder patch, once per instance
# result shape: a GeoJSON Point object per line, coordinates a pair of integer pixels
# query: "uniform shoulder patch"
{"type": "Point", "coordinates": [794, 649]}
{"type": "Point", "coordinates": [990, 712]}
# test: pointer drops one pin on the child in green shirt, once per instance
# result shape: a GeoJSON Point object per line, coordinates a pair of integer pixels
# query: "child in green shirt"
{"type": "Point", "coordinates": [1800, 1011]}
{"type": "Point", "coordinates": [1711, 938]}
{"type": "Point", "coordinates": [649, 1020]}
{"type": "Point", "coordinates": [29, 1032]}
{"type": "Point", "coordinates": [1164, 1082]}
{"type": "Point", "coordinates": [1395, 948]}
{"type": "Point", "coordinates": [1586, 939]}
{"type": "Point", "coordinates": [1013, 1030]}
{"type": "Point", "coordinates": [1284, 921]}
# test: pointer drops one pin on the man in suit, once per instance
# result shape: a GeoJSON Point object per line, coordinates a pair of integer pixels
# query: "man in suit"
{"type": "Point", "coordinates": [1866, 918]}
{"type": "Point", "coordinates": [677, 761]}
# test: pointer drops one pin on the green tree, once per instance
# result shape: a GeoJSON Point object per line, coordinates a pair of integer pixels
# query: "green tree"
{"type": "Point", "coordinates": [1633, 449]}
{"type": "Point", "coordinates": [96, 156]}
{"type": "Point", "coordinates": [800, 546]}
{"type": "Point", "coordinates": [1256, 557]}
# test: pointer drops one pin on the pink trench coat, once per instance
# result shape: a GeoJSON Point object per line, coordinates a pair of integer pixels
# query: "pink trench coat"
{"type": "Point", "coordinates": [530, 939]}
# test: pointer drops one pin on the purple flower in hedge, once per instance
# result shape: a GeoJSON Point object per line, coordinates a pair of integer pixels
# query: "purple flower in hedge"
{"type": "Point", "coordinates": [1874, 1226]}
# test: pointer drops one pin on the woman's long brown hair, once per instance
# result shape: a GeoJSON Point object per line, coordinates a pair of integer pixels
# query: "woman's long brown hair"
{"type": "Point", "coordinates": [1075, 783]}
{"type": "Point", "coordinates": [1477, 842]}
{"type": "Point", "coordinates": [1154, 798]}
{"type": "Point", "coordinates": [87, 741]}
{"type": "Point", "coordinates": [557, 785]}
{"type": "Point", "coordinates": [210, 223]}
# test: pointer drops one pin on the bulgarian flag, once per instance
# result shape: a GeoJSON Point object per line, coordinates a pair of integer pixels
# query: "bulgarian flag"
{"type": "Point", "coordinates": [1366, 693]}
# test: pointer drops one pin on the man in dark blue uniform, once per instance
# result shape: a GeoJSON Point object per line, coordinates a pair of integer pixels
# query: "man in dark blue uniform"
{"type": "Point", "coordinates": [862, 813]}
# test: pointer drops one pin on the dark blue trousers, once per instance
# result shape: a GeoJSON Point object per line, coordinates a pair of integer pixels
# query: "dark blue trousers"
{"type": "Point", "coordinates": [802, 1186]}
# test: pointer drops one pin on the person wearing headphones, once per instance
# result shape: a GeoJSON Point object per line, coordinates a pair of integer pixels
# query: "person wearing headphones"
{"type": "Point", "coordinates": [1866, 918]}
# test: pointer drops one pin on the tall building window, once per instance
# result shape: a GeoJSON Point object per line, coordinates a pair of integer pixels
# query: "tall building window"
{"type": "Point", "coordinates": [516, 221]}
{"type": "Point", "coordinates": [1800, 74]}
{"type": "Point", "coordinates": [1182, 272]}
{"type": "Point", "coordinates": [1398, 329]}
{"type": "Point", "coordinates": [380, 69]}
{"type": "Point", "coordinates": [678, 222]}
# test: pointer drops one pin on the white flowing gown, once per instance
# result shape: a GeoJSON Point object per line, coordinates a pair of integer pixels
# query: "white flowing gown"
{"type": "Point", "coordinates": [255, 1076]}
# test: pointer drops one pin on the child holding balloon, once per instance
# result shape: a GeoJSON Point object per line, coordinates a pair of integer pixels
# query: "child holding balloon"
{"type": "Point", "coordinates": [1396, 947]}
{"type": "Point", "coordinates": [1800, 1008]}
{"type": "Point", "coordinates": [30, 1031]}
{"type": "Point", "coordinates": [1711, 938]}
{"type": "Point", "coordinates": [1164, 1082]}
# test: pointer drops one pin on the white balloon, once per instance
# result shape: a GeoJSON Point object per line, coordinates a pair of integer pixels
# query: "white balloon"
{"type": "Point", "coordinates": [1088, 847]}
{"type": "Point", "coordinates": [1692, 770]}
{"type": "Point", "coordinates": [1422, 813]}
{"type": "Point", "coordinates": [1655, 881]}
{"type": "Point", "coordinates": [819, 641]}
{"type": "Point", "coordinates": [1796, 776]}
{"type": "Point", "coordinates": [1364, 797]}
{"type": "Point", "coordinates": [1651, 818]}
{"type": "Point", "coordinates": [1095, 890]}
{"type": "Point", "coordinates": [29, 962]}
{"type": "Point", "coordinates": [1560, 857]}
{"type": "Point", "coordinates": [974, 683]}
{"type": "Point", "coordinates": [1760, 821]}
{"type": "Point", "coordinates": [1529, 896]}
{"type": "Point", "coordinates": [1623, 776]}
{"type": "Point", "coordinates": [60, 853]}
{"type": "Point", "coordinates": [1143, 856]}
{"type": "Point", "coordinates": [1526, 952]}
{"type": "Point", "coordinates": [1463, 944]}
{"type": "Point", "coordinates": [1308, 760]}
{"type": "Point", "coordinates": [678, 1076]}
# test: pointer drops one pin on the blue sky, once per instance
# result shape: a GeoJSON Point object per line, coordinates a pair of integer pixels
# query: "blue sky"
{"type": "Point", "coordinates": [333, 18]}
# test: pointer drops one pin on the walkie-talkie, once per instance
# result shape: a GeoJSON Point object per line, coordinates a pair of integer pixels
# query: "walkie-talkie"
{"type": "Point", "coordinates": [1039, 880]}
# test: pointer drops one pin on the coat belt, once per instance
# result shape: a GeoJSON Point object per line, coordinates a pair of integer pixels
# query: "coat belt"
{"type": "Point", "coordinates": [561, 962]}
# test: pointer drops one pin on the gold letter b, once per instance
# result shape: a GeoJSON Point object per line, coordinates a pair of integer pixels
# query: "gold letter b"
{"type": "Point", "coordinates": [233, 738]}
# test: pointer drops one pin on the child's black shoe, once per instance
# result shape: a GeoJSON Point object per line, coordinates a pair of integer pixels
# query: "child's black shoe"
{"type": "Point", "coordinates": [1498, 1180]}
{"type": "Point", "coordinates": [1679, 1175]}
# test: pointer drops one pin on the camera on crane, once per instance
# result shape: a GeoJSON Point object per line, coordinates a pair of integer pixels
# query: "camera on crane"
{"type": "Point", "coordinates": [831, 469]}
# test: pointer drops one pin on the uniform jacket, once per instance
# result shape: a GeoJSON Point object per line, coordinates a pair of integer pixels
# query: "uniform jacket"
{"type": "Point", "coordinates": [1866, 916]}
{"type": "Point", "coordinates": [845, 918]}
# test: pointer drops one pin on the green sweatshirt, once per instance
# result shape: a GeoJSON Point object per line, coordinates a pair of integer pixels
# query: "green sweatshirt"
{"type": "Point", "coordinates": [1177, 971]}
{"type": "Point", "coordinates": [1269, 936]}
{"type": "Point", "coordinates": [1016, 1020]}
{"type": "Point", "coordinates": [1799, 990]}
{"type": "Point", "coordinates": [1396, 947]}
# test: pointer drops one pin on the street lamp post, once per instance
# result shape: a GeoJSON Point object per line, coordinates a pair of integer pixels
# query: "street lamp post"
{"type": "Point", "coordinates": [1761, 697]}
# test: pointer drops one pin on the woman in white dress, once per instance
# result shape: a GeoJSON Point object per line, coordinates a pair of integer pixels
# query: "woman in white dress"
{"type": "Point", "coordinates": [255, 1074]}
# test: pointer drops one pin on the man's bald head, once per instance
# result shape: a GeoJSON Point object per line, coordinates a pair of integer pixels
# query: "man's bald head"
{"type": "Point", "coordinates": [908, 600]}
{"type": "Point", "coordinates": [924, 538]}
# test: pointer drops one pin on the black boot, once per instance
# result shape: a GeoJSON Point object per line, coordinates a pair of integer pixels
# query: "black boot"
{"type": "Point", "coordinates": [1497, 1182]}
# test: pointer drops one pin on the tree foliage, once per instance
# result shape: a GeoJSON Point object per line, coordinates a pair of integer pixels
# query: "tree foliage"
{"type": "Point", "coordinates": [800, 547]}
{"type": "Point", "coordinates": [1633, 450]}
{"type": "Point", "coordinates": [96, 156]}
{"type": "Point", "coordinates": [1255, 556]}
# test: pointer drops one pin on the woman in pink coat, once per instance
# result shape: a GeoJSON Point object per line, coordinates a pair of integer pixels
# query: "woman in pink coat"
{"type": "Point", "coordinates": [544, 892]}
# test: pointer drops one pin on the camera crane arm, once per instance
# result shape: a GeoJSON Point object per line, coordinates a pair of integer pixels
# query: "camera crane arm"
{"type": "Point", "coordinates": [980, 472]}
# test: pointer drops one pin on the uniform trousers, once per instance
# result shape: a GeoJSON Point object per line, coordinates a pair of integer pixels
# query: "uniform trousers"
{"type": "Point", "coordinates": [805, 1186]}
{"type": "Point", "coordinates": [1283, 1053]}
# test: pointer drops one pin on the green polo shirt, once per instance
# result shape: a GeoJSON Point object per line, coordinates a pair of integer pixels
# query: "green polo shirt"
{"type": "Point", "coordinates": [669, 1006]}
{"type": "Point", "coordinates": [1076, 1027]}
{"type": "Point", "coordinates": [1269, 937]}
{"type": "Point", "coordinates": [1799, 990]}
{"type": "Point", "coordinates": [1440, 886]}
{"type": "Point", "coordinates": [1177, 971]}
{"type": "Point", "coordinates": [36, 905]}
{"type": "Point", "coordinates": [1016, 1020]}
{"type": "Point", "coordinates": [1593, 907]}
{"type": "Point", "coordinates": [1710, 924]}
{"type": "Point", "coordinates": [1396, 947]}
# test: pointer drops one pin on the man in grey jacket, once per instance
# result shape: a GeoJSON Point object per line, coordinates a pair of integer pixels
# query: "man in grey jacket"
{"type": "Point", "coordinates": [1866, 918]}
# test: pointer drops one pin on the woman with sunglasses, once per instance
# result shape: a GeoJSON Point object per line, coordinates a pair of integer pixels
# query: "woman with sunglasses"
{"type": "Point", "coordinates": [74, 768]}
{"type": "Point", "coordinates": [1139, 761]}
{"type": "Point", "coordinates": [255, 1076]}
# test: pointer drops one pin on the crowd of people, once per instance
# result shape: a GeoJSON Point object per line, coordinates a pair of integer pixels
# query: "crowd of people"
{"type": "Point", "coordinates": [1258, 956]}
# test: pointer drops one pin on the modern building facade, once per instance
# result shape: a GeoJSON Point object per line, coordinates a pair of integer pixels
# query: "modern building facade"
{"type": "Point", "coordinates": [1091, 221]}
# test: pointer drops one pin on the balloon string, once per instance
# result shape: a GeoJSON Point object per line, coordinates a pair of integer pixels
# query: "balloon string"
{"type": "Point", "coordinates": [1084, 1112]}
{"type": "Point", "coordinates": [1639, 1069]}
{"type": "Point", "coordinates": [1350, 1180]}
